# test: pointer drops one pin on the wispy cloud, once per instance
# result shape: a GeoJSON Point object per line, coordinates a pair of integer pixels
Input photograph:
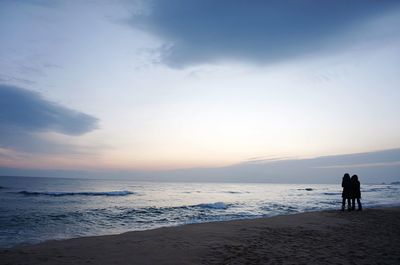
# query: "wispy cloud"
{"type": "Point", "coordinates": [380, 164]}
{"type": "Point", "coordinates": [13, 79]}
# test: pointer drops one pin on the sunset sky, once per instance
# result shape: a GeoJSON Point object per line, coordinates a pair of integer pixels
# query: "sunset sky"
{"type": "Point", "coordinates": [169, 85]}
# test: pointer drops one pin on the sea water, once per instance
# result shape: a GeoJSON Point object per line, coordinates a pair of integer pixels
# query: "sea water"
{"type": "Point", "coordinates": [33, 210]}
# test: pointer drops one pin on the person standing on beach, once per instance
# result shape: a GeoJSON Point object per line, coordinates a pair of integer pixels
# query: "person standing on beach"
{"type": "Point", "coordinates": [355, 193]}
{"type": "Point", "coordinates": [346, 194]}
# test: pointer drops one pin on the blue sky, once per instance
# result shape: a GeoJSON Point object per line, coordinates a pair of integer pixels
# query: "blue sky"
{"type": "Point", "coordinates": [166, 86]}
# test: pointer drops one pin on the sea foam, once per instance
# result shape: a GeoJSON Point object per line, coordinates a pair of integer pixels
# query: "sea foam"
{"type": "Point", "coordinates": [215, 205]}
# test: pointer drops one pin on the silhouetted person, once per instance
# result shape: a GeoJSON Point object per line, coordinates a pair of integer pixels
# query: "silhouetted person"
{"type": "Point", "coordinates": [355, 193]}
{"type": "Point", "coordinates": [346, 194]}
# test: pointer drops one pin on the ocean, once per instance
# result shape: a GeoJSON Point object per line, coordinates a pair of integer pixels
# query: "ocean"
{"type": "Point", "coordinates": [33, 210]}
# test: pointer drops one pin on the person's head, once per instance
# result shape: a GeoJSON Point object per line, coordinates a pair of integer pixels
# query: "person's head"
{"type": "Point", "coordinates": [354, 178]}
{"type": "Point", "coordinates": [346, 176]}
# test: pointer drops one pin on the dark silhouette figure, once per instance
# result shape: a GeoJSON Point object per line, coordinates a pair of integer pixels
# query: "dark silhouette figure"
{"type": "Point", "coordinates": [355, 193]}
{"type": "Point", "coordinates": [346, 194]}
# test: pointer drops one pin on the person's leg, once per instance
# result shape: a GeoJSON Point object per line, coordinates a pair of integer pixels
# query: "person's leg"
{"type": "Point", "coordinates": [359, 204]}
{"type": "Point", "coordinates": [343, 203]}
{"type": "Point", "coordinates": [353, 204]}
{"type": "Point", "coordinates": [348, 204]}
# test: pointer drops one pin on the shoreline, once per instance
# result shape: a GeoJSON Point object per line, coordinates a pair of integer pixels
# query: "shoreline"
{"type": "Point", "coordinates": [323, 237]}
{"type": "Point", "coordinates": [333, 209]}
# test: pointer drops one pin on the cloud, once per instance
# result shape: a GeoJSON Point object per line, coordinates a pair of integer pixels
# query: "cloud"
{"type": "Point", "coordinates": [11, 79]}
{"type": "Point", "coordinates": [372, 167]}
{"type": "Point", "coordinates": [25, 116]}
{"type": "Point", "coordinates": [208, 31]}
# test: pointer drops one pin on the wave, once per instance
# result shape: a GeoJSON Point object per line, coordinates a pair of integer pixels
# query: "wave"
{"type": "Point", "coordinates": [235, 192]}
{"type": "Point", "coordinates": [332, 193]}
{"type": "Point", "coordinates": [83, 193]}
{"type": "Point", "coordinates": [215, 205]}
{"type": "Point", "coordinates": [376, 189]}
{"type": "Point", "coordinates": [182, 210]}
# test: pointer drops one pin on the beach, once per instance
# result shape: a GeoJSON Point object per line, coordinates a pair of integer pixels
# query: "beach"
{"type": "Point", "coordinates": [371, 236]}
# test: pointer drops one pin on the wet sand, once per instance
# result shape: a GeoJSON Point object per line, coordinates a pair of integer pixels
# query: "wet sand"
{"type": "Point", "coordinates": [332, 237]}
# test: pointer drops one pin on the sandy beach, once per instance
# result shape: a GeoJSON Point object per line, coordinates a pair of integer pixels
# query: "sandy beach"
{"type": "Point", "coordinates": [331, 237]}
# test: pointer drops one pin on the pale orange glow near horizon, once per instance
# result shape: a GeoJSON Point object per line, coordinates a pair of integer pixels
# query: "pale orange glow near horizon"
{"type": "Point", "coordinates": [124, 163]}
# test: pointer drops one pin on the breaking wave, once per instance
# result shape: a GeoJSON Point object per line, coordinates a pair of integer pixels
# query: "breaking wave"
{"type": "Point", "coordinates": [83, 193]}
{"type": "Point", "coordinates": [215, 205]}
{"type": "Point", "coordinates": [332, 193]}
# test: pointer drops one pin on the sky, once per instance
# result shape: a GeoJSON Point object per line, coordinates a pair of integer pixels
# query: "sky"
{"type": "Point", "coordinates": [280, 91]}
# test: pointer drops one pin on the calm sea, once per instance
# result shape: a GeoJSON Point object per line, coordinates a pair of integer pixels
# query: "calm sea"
{"type": "Point", "coordinates": [37, 209]}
